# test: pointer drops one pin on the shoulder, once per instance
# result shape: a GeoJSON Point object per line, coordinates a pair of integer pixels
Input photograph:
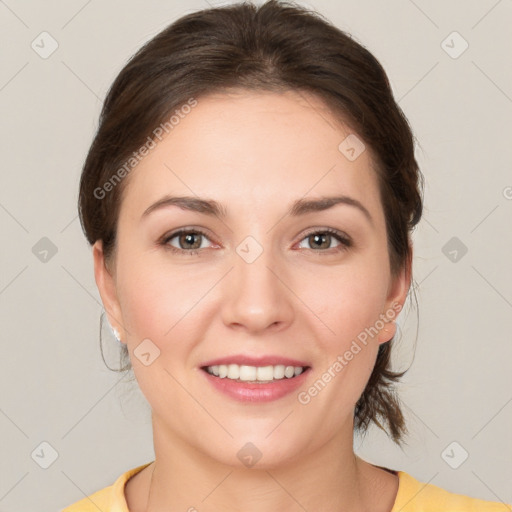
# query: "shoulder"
{"type": "Point", "coordinates": [415, 496]}
{"type": "Point", "coordinates": [109, 499]}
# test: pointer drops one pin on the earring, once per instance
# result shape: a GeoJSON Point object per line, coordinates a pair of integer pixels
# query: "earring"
{"type": "Point", "coordinates": [115, 332]}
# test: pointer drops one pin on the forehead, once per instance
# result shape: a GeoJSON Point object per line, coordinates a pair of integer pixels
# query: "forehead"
{"type": "Point", "coordinates": [255, 149]}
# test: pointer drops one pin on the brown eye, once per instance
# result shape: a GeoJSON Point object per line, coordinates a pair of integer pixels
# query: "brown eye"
{"type": "Point", "coordinates": [323, 240]}
{"type": "Point", "coordinates": [188, 241]}
{"type": "Point", "coordinates": [320, 240]}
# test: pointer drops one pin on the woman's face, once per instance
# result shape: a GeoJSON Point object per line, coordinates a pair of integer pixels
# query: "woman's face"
{"type": "Point", "coordinates": [263, 280]}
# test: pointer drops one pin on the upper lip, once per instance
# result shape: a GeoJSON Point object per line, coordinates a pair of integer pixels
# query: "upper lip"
{"type": "Point", "coordinates": [264, 360]}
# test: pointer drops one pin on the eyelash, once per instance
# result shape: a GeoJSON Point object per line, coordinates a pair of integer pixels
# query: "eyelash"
{"type": "Point", "coordinates": [345, 241]}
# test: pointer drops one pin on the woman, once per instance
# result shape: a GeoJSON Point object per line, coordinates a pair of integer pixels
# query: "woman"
{"type": "Point", "coordinates": [250, 196]}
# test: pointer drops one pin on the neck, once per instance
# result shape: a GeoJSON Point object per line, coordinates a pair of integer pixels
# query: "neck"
{"type": "Point", "coordinates": [331, 477]}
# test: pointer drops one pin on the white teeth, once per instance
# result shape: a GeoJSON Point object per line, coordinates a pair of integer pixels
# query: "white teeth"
{"type": "Point", "coordinates": [233, 371]}
{"type": "Point", "coordinates": [279, 371]}
{"type": "Point", "coordinates": [262, 372]}
{"type": "Point", "coordinates": [254, 373]}
{"type": "Point", "coordinates": [247, 372]}
{"type": "Point", "coordinates": [289, 371]}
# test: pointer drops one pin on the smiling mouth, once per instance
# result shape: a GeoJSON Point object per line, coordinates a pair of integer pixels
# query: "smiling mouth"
{"type": "Point", "coordinates": [255, 374]}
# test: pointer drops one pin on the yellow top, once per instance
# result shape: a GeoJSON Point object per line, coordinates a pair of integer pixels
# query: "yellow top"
{"type": "Point", "coordinates": [412, 496]}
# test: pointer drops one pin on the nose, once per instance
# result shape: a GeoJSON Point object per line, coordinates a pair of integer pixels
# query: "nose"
{"type": "Point", "coordinates": [256, 297]}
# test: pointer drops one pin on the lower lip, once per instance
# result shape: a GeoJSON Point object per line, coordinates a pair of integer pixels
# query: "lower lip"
{"type": "Point", "coordinates": [246, 392]}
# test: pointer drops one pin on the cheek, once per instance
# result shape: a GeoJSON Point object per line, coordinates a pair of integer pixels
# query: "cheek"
{"type": "Point", "coordinates": [164, 307]}
{"type": "Point", "coordinates": [347, 300]}
{"type": "Point", "coordinates": [351, 309]}
{"type": "Point", "coordinates": [158, 302]}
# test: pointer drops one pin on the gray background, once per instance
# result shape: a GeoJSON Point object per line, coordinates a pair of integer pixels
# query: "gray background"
{"type": "Point", "coordinates": [55, 387]}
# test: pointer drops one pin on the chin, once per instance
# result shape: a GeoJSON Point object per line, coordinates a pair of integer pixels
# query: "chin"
{"type": "Point", "coordinates": [256, 451]}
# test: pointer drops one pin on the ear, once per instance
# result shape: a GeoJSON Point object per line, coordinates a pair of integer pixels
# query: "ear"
{"type": "Point", "coordinates": [105, 282]}
{"type": "Point", "coordinates": [397, 294]}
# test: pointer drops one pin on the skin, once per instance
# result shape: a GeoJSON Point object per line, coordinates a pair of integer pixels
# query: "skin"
{"type": "Point", "coordinates": [255, 153]}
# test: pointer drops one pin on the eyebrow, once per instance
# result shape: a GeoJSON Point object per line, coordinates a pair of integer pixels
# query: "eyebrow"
{"type": "Point", "coordinates": [215, 209]}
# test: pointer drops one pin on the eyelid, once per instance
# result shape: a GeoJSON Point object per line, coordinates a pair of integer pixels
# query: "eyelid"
{"type": "Point", "coordinates": [332, 231]}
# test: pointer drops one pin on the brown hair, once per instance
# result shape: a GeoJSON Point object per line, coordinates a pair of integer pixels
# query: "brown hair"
{"type": "Point", "coordinates": [277, 46]}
